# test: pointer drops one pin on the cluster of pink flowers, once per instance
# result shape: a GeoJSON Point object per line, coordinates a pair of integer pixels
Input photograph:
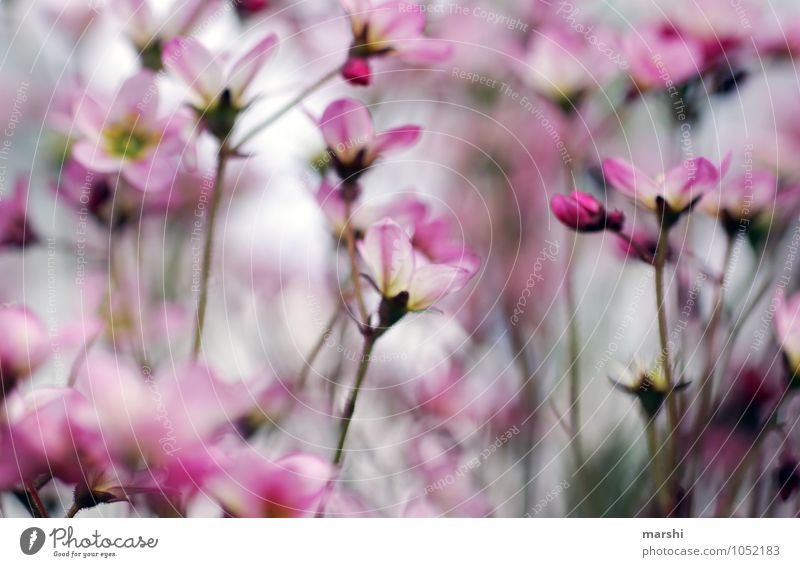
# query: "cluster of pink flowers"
{"type": "Point", "coordinates": [273, 260]}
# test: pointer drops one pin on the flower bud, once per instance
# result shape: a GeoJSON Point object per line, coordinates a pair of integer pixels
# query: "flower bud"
{"type": "Point", "coordinates": [583, 213]}
{"type": "Point", "coordinates": [356, 71]}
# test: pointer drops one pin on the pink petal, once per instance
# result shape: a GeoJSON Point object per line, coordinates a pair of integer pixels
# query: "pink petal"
{"type": "Point", "coordinates": [346, 126]}
{"type": "Point", "coordinates": [397, 138]}
{"type": "Point", "coordinates": [396, 19]}
{"type": "Point", "coordinates": [423, 51]}
{"type": "Point", "coordinates": [137, 98]}
{"type": "Point", "coordinates": [187, 59]}
{"type": "Point", "coordinates": [629, 180]}
{"type": "Point", "coordinates": [431, 282]}
{"type": "Point", "coordinates": [245, 69]}
{"type": "Point", "coordinates": [389, 255]}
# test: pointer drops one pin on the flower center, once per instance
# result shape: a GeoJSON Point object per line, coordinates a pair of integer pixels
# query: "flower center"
{"type": "Point", "coordinates": [126, 142]}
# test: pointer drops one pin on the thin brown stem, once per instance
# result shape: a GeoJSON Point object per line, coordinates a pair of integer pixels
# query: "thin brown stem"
{"type": "Point", "coordinates": [350, 408]}
{"type": "Point", "coordinates": [38, 509]}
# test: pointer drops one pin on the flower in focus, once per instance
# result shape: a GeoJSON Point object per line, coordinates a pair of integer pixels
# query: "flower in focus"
{"type": "Point", "coordinates": [583, 213]}
{"type": "Point", "coordinates": [349, 133]}
{"type": "Point", "coordinates": [787, 332]}
{"type": "Point", "coordinates": [15, 226]}
{"type": "Point", "coordinates": [251, 486]}
{"type": "Point", "coordinates": [218, 85]}
{"type": "Point", "coordinates": [406, 280]}
{"type": "Point", "coordinates": [671, 193]}
{"type": "Point", "coordinates": [149, 31]}
{"type": "Point", "coordinates": [126, 136]}
{"type": "Point", "coordinates": [24, 345]}
{"type": "Point", "coordinates": [390, 28]}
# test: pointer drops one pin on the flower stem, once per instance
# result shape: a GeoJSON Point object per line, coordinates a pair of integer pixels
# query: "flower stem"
{"type": "Point", "coordinates": [312, 356]}
{"type": "Point", "coordinates": [655, 463]}
{"type": "Point", "coordinates": [267, 122]}
{"type": "Point", "coordinates": [350, 408]}
{"type": "Point", "coordinates": [574, 373]}
{"type": "Point", "coordinates": [216, 198]}
{"type": "Point", "coordinates": [73, 510]}
{"type": "Point", "coordinates": [38, 509]}
{"type": "Point", "coordinates": [666, 361]}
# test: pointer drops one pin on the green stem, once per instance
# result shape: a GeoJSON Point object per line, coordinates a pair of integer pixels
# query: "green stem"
{"type": "Point", "coordinates": [267, 122]}
{"type": "Point", "coordinates": [216, 198]}
{"type": "Point", "coordinates": [574, 373]}
{"type": "Point", "coordinates": [666, 360]}
{"type": "Point", "coordinates": [350, 408]}
{"type": "Point", "coordinates": [655, 464]}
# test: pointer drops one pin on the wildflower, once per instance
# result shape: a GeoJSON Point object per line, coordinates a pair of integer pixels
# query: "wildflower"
{"type": "Point", "coordinates": [24, 346]}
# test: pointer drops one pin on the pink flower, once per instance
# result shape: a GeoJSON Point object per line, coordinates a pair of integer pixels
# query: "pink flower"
{"type": "Point", "coordinates": [251, 486]}
{"type": "Point", "coordinates": [221, 81]}
{"type": "Point", "coordinates": [742, 199]}
{"type": "Point", "coordinates": [673, 192]}
{"type": "Point", "coordinates": [787, 331]}
{"type": "Point", "coordinates": [148, 30]}
{"type": "Point", "coordinates": [159, 419]}
{"type": "Point", "coordinates": [583, 213]}
{"type": "Point", "coordinates": [24, 345]}
{"type": "Point", "coordinates": [401, 274]}
{"type": "Point", "coordinates": [42, 436]}
{"type": "Point", "coordinates": [562, 64]}
{"type": "Point", "coordinates": [348, 131]}
{"type": "Point", "coordinates": [15, 226]}
{"type": "Point", "coordinates": [128, 137]}
{"type": "Point", "coordinates": [659, 55]}
{"type": "Point", "coordinates": [391, 28]}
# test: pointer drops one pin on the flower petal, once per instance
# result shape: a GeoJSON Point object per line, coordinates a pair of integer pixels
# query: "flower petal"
{"type": "Point", "coordinates": [431, 282]}
{"type": "Point", "coordinates": [631, 181]}
{"type": "Point", "coordinates": [389, 255]}
{"type": "Point", "coordinates": [193, 64]}
{"type": "Point", "coordinates": [246, 67]}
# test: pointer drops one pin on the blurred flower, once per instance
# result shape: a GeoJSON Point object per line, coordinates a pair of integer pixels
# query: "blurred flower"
{"type": "Point", "coordinates": [649, 386]}
{"type": "Point", "coordinates": [24, 345]}
{"type": "Point", "coordinates": [148, 31]}
{"type": "Point", "coordinates": [347, 129]}
{"type": "Point", "coordinates": [406, 280]}
{"type": "Point", "coordinates": [126, 136]}
{"type": "Point", "coordinates": [251, 486]}
{"type": "Point", "coordinates": [787, 332]}
{"type": "Point", "coordinates": [218, 84]}
{"type": "Point", "coordinates": [246, 8]}
{"type": "Point", "coordinates": [391, 28]}
{"type": "Point", "coordinates": [583, 213]}
{"type": "Point", "coordinates": [742, 199]}
{"type": "Point", "coordinates": [671, 193]}
{"type": "Point", "coordinates": [661, 58]}
{"type": "Point", "coordinates": [42, 435]}
{"type": "Point", "coordinates": [563, 64]}
{"type": "Point", "coordinates": [16, 229]}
